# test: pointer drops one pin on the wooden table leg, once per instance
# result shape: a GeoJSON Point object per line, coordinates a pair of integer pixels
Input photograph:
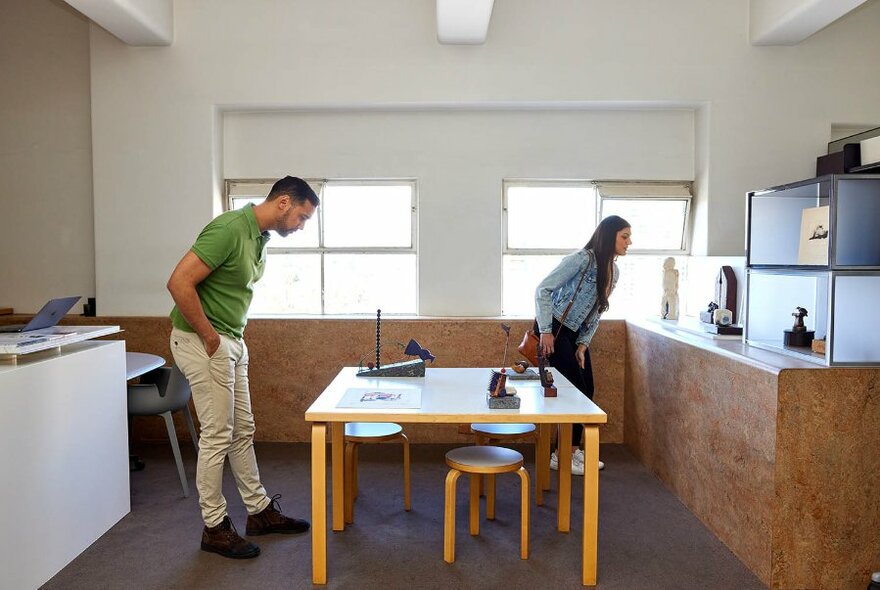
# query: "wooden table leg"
{"type": "Point", "coordinates": [545, 435]}
{"type": "Point", "coordinates": [319, 503]}
{"type": "Point", "coordinates": [563, 446]}
{"type": "Point", "coordinates": [337, 437]}
{"type": "Point", "coordinates": [591, 503]}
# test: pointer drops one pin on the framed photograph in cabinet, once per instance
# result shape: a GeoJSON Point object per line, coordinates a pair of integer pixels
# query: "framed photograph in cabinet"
{"type": "Point", "coordinates": [813, 247]}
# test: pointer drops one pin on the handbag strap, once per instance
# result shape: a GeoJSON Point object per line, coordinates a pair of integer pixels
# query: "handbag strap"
{"type": "Point", "coordinates": [573, 297]}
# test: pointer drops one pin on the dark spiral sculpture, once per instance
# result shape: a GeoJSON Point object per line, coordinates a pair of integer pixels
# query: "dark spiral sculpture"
{"type": "Point", "coordinates": [378, 335]}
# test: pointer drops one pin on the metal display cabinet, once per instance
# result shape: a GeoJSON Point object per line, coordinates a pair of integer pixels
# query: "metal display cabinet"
{"type": "Point", "coordinates": [837, 279]}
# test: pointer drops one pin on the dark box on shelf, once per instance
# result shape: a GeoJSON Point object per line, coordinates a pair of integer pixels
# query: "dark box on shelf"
{"type": "Point", "coordinates": [839, 162]}
{"type": "Point", "coordinates": [801, 338]}
{"type": "Point", "coordinates": [723, 330]}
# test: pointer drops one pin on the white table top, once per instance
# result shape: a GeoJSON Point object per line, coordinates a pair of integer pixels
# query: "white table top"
{"type": "Point", "coordinates": [138, 363]}
{"type": "Point", "coordinates": [456, 395]}
{"type": "Point", "coordinates": [18, 343]}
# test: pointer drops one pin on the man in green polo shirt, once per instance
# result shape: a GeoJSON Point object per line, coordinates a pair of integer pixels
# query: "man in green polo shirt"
{"type": "Point", "coordinates": [212, 287]}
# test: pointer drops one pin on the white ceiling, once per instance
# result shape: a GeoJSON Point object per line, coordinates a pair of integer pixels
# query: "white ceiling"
{"type": "Point", "coordinates": [771, 22]}
{"type": "Point", "coordinates": [788, 22]}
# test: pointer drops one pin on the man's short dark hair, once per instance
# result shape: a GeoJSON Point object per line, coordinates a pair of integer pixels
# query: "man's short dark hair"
{"type": "Point", "coordinates": [297, 189]}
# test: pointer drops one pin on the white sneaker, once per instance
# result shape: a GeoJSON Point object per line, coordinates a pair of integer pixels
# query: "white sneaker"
{"type": "Point", "coordinates": [577, 462]}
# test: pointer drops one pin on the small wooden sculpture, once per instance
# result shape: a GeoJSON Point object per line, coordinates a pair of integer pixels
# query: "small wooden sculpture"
{"type": "Point", "coordinates": [725, 291]}
{"type": "Point", "coordinates": [546, 376]}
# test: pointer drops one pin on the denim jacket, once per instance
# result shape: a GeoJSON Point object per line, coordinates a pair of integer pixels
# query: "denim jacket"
{"type": "Point", "coordinates": [556, 290]}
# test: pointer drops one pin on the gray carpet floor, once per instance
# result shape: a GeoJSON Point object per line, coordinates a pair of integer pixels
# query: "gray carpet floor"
{"type": "Point", "coordinates": [647, 538]}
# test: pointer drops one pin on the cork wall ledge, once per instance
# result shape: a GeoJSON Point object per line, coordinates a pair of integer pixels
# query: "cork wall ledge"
{"type": "Point", "coordinates": [292, 360]}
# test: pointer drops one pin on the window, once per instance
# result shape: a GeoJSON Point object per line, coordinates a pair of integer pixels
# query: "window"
{"type": "Point", "coordinates": [658, 213]}
{"type": "Point", "coordinates": [546, 220]}
{"type": "Point", "coordinates": [355, 256]}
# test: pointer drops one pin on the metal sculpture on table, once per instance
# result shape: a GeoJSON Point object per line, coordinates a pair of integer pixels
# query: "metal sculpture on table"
{"type": "Point", "coordinates": [520, 369]}
{"type": "Point", "coordinates": [411, 368]}
{"type": "Point", "coordinates": [499, 396]}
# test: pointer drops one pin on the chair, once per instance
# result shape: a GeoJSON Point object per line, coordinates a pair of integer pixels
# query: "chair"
{"type": "Point", "coordinates": [478, 461]}
{"type": "Point", "coordinates": [512, 432]}
{"type": "Point", "coordinates": [161, 392]}
{"type": "Point", "coordinates": [357, 433]}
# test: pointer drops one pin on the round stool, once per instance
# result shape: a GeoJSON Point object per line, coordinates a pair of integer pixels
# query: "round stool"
{"type": "Point", "coordinates": [478, 461]}
{"type": "Point", "coordinates": [512, 432]}
{"type": "Point", "coordinates": [371, 432]}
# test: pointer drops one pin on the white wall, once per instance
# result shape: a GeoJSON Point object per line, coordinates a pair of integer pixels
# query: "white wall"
{"type": "Point", "coordinates": [766, 111]}
{"type": "Point", "coordinates": [459, 158]}
{"type": "Point", "coordinates": [47, 246]}
{"type": "Point", "coordinates": [762, 113]}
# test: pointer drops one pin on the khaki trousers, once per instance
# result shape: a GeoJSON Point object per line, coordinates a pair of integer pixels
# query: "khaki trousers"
{"type": "Point", "coordinates": [223, 404]}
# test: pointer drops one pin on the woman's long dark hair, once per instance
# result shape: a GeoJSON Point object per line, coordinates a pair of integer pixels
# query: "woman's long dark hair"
{"type": "Point", "coordinates": [603, 244]}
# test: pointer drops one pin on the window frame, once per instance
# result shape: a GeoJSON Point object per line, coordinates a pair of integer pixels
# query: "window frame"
{"type": "Point", "coordinates": [534, 183]}
{"type": "Point", "coordinates": [636, 190]}
{"type": "Point", "coordinates": [647, 190]}
{"type": "Point", "coordinates": [319, 184]}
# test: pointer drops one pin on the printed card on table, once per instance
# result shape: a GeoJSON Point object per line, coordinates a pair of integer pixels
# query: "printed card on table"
{"type": "Point", "coordinates": [364, 398]}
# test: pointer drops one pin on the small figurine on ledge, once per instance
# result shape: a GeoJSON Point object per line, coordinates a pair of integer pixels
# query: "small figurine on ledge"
{"type": "Point", "coordinates": [798, 335]}
{"type": "Point", "coordinates": [669, 302]}
{"type": "Point", "coordinates": [708, 315]}
{"type": "Point", "coordinates": [799, 314]}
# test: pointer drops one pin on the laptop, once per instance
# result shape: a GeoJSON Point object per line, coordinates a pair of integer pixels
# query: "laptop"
{"type": "Point", "coordinates": [47, 317]}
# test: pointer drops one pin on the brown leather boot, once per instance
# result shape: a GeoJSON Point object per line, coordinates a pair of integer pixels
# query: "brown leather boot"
{"type": "Point", "coordinates": [223, 539]}
{"type": "Point", "coordinates": [270, 520]}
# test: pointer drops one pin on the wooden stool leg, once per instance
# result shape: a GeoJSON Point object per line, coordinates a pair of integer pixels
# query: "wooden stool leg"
{"type": "Point", "coordinates": [524, 522]}
{"type": "Point", "coordinates": [490, 497]}
{"type": "Point", "coordinates": [407, 500]}
{"type": "Point", "coordinates": [449, 516]}
{"type": "Point", "coordinates": [474, 504]}
{"type": "Point", "coordinates": [480, 440]}
{"type": "Point", "coordinates": [349, 470]}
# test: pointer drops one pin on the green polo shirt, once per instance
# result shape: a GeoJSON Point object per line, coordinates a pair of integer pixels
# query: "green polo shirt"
{"type": "Point", "coordinates": [235, 250]}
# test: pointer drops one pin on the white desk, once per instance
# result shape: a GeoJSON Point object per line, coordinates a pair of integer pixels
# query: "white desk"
{"type": "Point", "coordinates": [138, 363]}
{"type": "Point", "coordinates": [64, 465]}
{"type": "Point", "coordinates": [454, 396]}
{"type": "Point", "coordinates": [14, 345]}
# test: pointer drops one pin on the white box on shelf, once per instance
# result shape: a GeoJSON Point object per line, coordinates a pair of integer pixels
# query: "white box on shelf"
{"type": "Point", "coordinates": [870, 150]}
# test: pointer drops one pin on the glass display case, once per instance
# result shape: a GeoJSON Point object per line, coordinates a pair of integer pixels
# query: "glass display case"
{"type": "Point", "coordinates": [815, 245]}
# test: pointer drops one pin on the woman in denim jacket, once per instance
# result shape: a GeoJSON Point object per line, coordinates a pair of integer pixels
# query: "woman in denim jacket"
{"type": "Point", "coordinates": [569, 351]}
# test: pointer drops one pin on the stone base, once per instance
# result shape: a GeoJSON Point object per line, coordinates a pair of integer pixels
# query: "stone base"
{"type": "Point", "coordinates": [508, 402]}
{"type": "Point", "coordinates": [414, 368]}
{"type": "Point", "coordinates": [550, 391]}
{"type": "Point", "coordinates": [528, 374]}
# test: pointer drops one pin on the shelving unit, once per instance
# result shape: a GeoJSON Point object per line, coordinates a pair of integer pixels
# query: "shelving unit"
{"type": "Point", "coordinates": [837, 279]}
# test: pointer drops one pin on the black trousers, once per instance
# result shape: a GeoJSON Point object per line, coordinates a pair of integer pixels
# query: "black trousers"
{"type": "Point", "coordinates": [564, 361]}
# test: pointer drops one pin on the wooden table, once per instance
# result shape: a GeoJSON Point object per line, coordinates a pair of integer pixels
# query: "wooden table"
{"type": "Point", "coordinates": [454, 396]}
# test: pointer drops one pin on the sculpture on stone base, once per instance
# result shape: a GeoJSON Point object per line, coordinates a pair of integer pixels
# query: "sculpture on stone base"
{"type": "Point", "coordinates": [413, 368]}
